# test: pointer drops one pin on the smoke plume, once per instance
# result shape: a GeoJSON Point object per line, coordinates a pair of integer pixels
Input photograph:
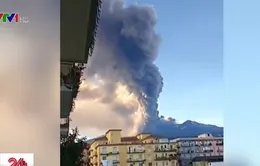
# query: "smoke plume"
{"type": "Point", "coordinates": [122, 83]}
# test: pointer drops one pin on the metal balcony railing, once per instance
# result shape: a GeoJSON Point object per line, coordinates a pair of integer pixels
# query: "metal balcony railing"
{"type": "Point", "coordinates": [109, 153]}
{"type": "Point", "coordinates": [169, 158]}
{"type": "Point", "coordinates": [115, 162]}
{"type": "Point", "coordinates": [136, 151]}
{"type": "Point", "coordinates": [130, 160]}
{"type": "Point", "coordinates": [165, 150]}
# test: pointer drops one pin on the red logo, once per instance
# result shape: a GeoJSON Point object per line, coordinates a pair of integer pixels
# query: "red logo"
{"type": "Point", "coordinates": [15, 162]}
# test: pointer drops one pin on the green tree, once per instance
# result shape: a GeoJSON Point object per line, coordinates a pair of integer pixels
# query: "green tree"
{"type": "Point", "coordinates": [72, 150]}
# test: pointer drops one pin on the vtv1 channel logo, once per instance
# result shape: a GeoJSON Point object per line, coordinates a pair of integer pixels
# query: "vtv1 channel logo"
{"type": "Point", "coordinates": [12, 18]}
{"type": "Point", "coordinates": [16, 159]}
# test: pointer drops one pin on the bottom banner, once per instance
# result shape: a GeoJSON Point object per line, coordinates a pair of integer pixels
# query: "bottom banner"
{"type": "Point", "coordinates": [16, 159]}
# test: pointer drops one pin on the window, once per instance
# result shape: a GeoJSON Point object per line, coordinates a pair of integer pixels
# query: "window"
{"type": "Point", "coordinates": [131, 156]}
{"type": "Point", "coordinates": [104, 157]}
{"type": "Point", "coordinates": [166, 163]}
{"type": "Point", "coordinates": [114, 149]}
{"type": "Point", "coordinates": [114, 158]}
{"type": "Point", "coordinates": [140, 156]}
{"type": "Point", "coordinates": [140, 164]}
{"type": "Point", "coordinates": [104, 150]}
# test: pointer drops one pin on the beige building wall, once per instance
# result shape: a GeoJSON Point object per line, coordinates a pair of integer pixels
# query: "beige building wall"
{"type": "Point", "coordinates": [200, 163]}
{"type": "Point", "coordinates": [140, 150]}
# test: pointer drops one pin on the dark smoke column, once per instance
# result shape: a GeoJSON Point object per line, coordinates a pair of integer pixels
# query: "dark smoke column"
{"type": "Point", "coordinates": [126, 48]}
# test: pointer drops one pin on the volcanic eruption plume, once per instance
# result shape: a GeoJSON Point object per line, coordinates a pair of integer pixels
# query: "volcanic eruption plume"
{"type": "Point", "coordinates": [122, 83]}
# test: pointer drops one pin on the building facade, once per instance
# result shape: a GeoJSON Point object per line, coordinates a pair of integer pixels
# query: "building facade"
{"type": "Point", "coordinates": [141, 150]}
{"type": "Point", "coordinates": [77, 43]}
{"type": "Point", "coordinates": [147, 150]}
{"type": "Point", "coordinates": [204, 145]}
{"type": "Point", "coordinates": [207, 161]}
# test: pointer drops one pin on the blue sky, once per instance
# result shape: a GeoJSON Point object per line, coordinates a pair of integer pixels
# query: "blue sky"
{"type": "Point", "coordinates": [190, 59]}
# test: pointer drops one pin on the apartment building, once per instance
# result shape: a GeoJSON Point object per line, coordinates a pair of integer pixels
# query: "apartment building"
{"type": "Point", "coordinates": [77, 43]}
{"type": "Point", "coordinates": [207, 161]}
{"type": "Point", "coordinates": [204, 145]}
{"type": "Point", "coordinates": [141, 150]}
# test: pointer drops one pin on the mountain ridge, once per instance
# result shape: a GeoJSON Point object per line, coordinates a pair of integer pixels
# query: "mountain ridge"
{"type": "Point", "coordinates": [189, 129]}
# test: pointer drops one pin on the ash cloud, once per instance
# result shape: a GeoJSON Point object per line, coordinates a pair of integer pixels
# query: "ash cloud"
{"type": "Point", "coordinates": [125, 50]}
{"type": "Point", "coordinates": [134, 44]}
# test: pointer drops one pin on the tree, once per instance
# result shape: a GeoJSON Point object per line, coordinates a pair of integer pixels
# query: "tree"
{"type": "Point", "coordinates": [72, 150]}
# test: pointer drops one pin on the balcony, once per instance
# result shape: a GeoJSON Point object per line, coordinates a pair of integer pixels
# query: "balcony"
{"type": "Point", "coordinates": [69, 81]}
{"type": "Point", "coordinates": [64, 129]}
{"type": "Point", "coordinates": [208, 151]}
{"type": "Point", "coordinates": [109, 153]}
{"type": "Point", "coordinates": [135, 160]}
{"type": "Point", "coordinates": [220, 150]}
{"type": "Point", "coordinates": [66, 102]}
{"type": "Point", "coordinates": [70, 75]}
{"type": "Point", "coordinates": [78, 27]}
{"type": "Point", "coordinates": [164, 158]}
{"type": "Point", "coordinates": [187, 145]}
{"type": "Point", "coordinates": [165, 150]}
{"type": "Point", "coordinates": [115, 162]}
{"type": "Point", "coordinates": [219, 144]}
{"type": "Point", "coordinates": [136, 151]}
{"type": "Point", "coordinates": [161, 158]}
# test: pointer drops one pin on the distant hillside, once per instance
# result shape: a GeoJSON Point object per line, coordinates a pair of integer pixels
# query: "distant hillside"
{"type": "Point", "coordinates": [188, 129]}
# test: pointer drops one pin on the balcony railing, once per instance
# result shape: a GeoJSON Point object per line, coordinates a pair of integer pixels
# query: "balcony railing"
{"type": "Point", "coordinates": [219, 144]}
{"type": "Point", "coordinates": [136, 151]}
{"type": "Point", "coordinates": [65, 125]}
{"type": "Point", "coordinates": [220, 150]}
{"type": "Point", "coordinates": [170, 157]}
{"type": "Point", "coordinates": [135, 160]}
{"type": "Point", "coordinates": [126, 143]}
{"type": "Point", "coordinates": [65, 120]}
{"type": "Point", "coordinates": [71, 78]}
{"type": "Point", "coordinates": [115, 162]}
{"type": "Point", "coordinates": [165, 150]}
{"type": "Point", "coordinates": [109, 153]}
